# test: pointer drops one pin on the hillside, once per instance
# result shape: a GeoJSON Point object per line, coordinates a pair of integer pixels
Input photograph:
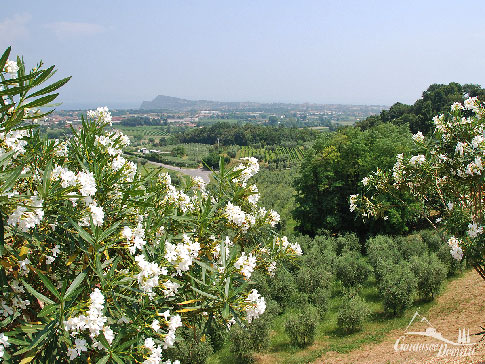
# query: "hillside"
{"type": "Point", "coordinates": [162, 102]}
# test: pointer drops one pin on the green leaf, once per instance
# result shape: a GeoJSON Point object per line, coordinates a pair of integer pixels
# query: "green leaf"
{"type": "Point", "coordinates": [74, 285]}
{"type": "Point", "coordinates": [50, 88]}
{"type": "Point", "coordinates": [205, 265]}
{"type": "Point", "coordinates": [82, 233]}
{"type": "Point", "coordinates": [38, 295]}
{"type": "Point", "coordinates": [103, 360]}
{"type": "Point", "coordinates": [41, 101]}
{"type": "Point", "coordinates": [116, 358]}
{"type": "Point", "coordinates": [48, 284]}
{"type": "Point", "coordinates": [4, 58]}
{"type": "Point", "coordinates": [205, 294]}
{"type": "Point", "coordinates": [109, 231]}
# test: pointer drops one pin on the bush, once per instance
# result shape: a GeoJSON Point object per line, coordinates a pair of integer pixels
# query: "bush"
{"type": "Point", "coordinates": [352, 269]}
{"type": "Point", "coordinates": [453, 266]}
{"type": "Point", "coordinates": [410, 246]}
{"type": "Point", "coordinates": [320, 299]}
{"type": "Point", "coordinates": [397, 288]}
{"type": "Point", "coordinates": [430, 273]}
{"type": "Point", "coordinates": [352, 314]}
{"type": "Point", "coordinates": [282, 286]}
{"type": "Point", "coordinates": [254, 337]}
{"type": "Point", "coordinates": [310, 279]}
{"type": "Point", "coordinates": [347, 242]}
{"type": "Point", "coordinates": [301, 326]}
{"type": "Point", "coordinates": [432, 239]}
{"type": "Point", "coordinates": [190, 350]}
{"type": "Point", "coordinates": [382, 251]}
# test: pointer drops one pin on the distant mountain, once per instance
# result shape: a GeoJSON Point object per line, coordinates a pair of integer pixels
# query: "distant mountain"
{"type": "Point", "coordinates": [162, 102]}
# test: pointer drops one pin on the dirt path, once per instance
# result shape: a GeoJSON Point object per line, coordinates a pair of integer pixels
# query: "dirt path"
{"type": "Point", "coordinates": [462, 305]}
{"type": "Point", "coordinates": [193, 172]}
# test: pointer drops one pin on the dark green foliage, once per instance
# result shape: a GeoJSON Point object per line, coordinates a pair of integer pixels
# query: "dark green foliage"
{"type": "Point", "coordinates": [382, 251]}
{"type": "Point", "coordinates": [352, 314]}
{"type": "Point", "coordinates": [310, 279]}
{"type": "Point", "coordinates": [332, 170]}
{"type": "Point", "coordinates": [301, 326]}
{"type": "Point", "coordinates": [320, 299]}
{"type": "Point", "coordinates": [397, 287]}
{"type": "Point", "coordinates": [216, 334]}
{"type": "Point", "coordinates": [212, 160]}
{"type": "Point", "coordinates": [190, 350]}
{"type": "Point", "coordinates": [347, 242]}
{"type": "Point", "coordinates": [432, 239]}
{"type": "Point", "coordinates": [430, 273]}
{"type": "Point", "coordinates": [437, 99]}
{"type": "Point", "coordinates": [352, 269]}
{"type": "Point", "coordinates": [224, 133]}
{"type": "Point", "coordinates": [282, 287]}
{"type": "Point", "coordinates": [410, 246]}
{"type": "Point", "coordinates": [247, 340]}
{"type": "Point", "coordinates": [178, 151]}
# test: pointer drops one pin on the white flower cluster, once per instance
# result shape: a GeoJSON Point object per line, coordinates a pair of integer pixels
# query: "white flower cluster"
{"type": "Point", "coordinates": [417, 160]}
{"type": "Point", "coordinates": [173, 196]}
{"type": "Point", "coordinates": [156, 350]}
{"type": "Point", "coordinates": [3, 344]}
{"type": "Point", "coordinates": [256, 305]}
{"type": "Point", "coordinates": [26, 219]}
{"type": "Point", "coordinates": [11, 67]}
{"type": "Point", "coordinates": [418, 137]}
{"type": "Point", "coordinates": [134, 237]}
{"type": "Point", "coordinates": [112, 142]}
{"type": "Point", "coordinates": [14, 142]}
{"type": "Point", "coordinates": [94, 321]}
{"type": "Point", "coordinates": [255, 196]}
{"type": "Point", "coordinates": [293, 248]}
{"type": "Point", "coordinates": [149, 275]}
{"type": "Point", "coordinates": [474, 230]}
{"type": "Point", "coordinates": [248, 169]}
{"type": "Point", "coordinates": [455, 249]}
{"type": "Point", "coordinates": [246, 264]}
{"type": "Point", "coordinates": [182, 254]}
{"type": "Point", "coordinates": [55, 251]}
{"type": "Point", "coordinates": [101, 114]}
{"type": "Point", "coordinates": [353, 202]}
{"type": "Point", "coordinates": [237, 216]}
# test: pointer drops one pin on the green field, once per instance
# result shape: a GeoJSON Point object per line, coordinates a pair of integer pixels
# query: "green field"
{"type": "Point", "coordinates": [273, 154]}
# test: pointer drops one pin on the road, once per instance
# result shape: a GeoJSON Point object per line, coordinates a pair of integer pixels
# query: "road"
{"type": "Point", "coordinates": [193, 172]}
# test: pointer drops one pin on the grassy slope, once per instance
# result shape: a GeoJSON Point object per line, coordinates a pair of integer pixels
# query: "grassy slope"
{"type": "Point", "coordinates": [328, 338]}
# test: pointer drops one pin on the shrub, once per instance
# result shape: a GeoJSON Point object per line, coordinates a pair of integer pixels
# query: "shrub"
{"type": "Point", "coordinates": [410, 246]}
{"type": "Point", "coordinates": [352, 269]}
{"type": "Point", "coordinates": [432, 239]}
{"type": "Point", "coordinates": [347, 242]}
{"type": "Point", "coordinates": [282, 286]}
{"type": "Point", "coordinates": [382, 251]}
{"type": "Point", "coordinates": [246, 340]}
{"type": "Point", "coordinates": [352, 314]}
{"type": "Point", "coordinates": [430, 273]}
{"type": "Point", "coordinates": [452, 265]}
{"type": "Point", "coordinates": [397, 288]}
{"type": "Point", "coordinates": [320, 299]}
{"type": "Point", "coordinates": [301, 326]}
{"type": "Point", "coordinates": [310, 279]}
{"type": "Point", "coordinates": [190, 350]}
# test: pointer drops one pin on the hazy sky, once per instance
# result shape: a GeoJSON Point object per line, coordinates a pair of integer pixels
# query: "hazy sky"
{"type": "Point", "coordinates": [354, 52]}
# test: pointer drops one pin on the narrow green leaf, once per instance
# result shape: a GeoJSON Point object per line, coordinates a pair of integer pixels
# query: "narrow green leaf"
{"type": "Point", "coordinates": [103, 360]}
{"type": "Point", "coordinates": [50, 88]}
{"type": "Point", "coordinates": [109, 231]}
{"type": "Point", "coordinates": [74, 285]}
{"type": "Point", "coordinates": [204, 293]}
{"type": "Point", "coordinates": [82, 233]}
{"type": "Point", "coordinates": [38, 295]}
{"type": "Point", "coordinates": [116, 358]}
{"type": "Point", "coordinates": [44, 100]}
{"type": "Point", "coordinates": [4, 58]}
{"type": "Point", "coordinates": [48, 284]}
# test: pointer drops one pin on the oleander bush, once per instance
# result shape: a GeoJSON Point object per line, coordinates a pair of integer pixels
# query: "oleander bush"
{"type": "Point", "coordinates": [101, 263]}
